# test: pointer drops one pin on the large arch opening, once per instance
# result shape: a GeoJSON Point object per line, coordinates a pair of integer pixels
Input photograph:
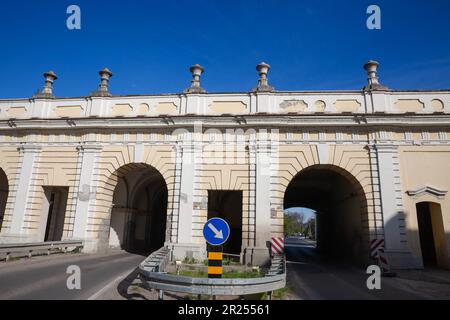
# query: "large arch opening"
{"type": "Point", "coordinates": [337, 209]}
{"type": "Point", "coordinates": [139, 211]}
{"type": "Point", "coordinates": [4, 190]}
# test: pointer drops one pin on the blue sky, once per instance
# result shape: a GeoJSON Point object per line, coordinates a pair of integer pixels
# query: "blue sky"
{"type": "Point", "coordinates": [149, 45]}
{"type": "Point", "coordinates": [307, 213]}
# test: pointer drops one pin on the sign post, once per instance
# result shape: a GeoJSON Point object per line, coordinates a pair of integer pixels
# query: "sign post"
{"type": "Point", "coordinates": [216, 232]}
{"type": "Point", "coordinates": [277, 245]}
{"type": "Point", "coordinates": [215, 256]}
{"type": "Point", "coordinates": [377, 251]}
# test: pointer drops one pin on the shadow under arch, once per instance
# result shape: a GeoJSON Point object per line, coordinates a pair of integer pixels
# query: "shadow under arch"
{"type": "Point", "coordinates": [340, 200]}
{"type": "Point", "coordinates": [135, 200]}
{"type": "Point", "coordinates": [4, 191]}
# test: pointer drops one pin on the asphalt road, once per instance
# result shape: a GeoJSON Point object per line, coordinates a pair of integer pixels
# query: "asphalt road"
{"type": "Point", "coordinates": [44, 278]}
{"type": "Point", "coordinates": [309, 275]}
{"type": "Point", "coordinates": [312, 277]}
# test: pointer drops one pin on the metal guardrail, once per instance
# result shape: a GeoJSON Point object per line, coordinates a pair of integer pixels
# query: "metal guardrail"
{"type": "Point", "coordinates": [152, 272]}
{"type": "Point", "coordinates": [19, 250]}
{"type": "Point", "coordinates": [157, 261]}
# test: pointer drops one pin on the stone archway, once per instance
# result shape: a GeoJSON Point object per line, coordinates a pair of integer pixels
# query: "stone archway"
{"type": "Point", "coordinates": [139, 209]}
{"type": "Point", "coordinates": [340, 204]}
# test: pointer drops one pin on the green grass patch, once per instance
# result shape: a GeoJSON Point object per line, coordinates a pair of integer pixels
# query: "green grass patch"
{"type": "Point", "coordinates": [227, 261]}
{"type": "Point", "coordinates": [241, 274]}
{"type": "Point", "coordinates": [193, 273]}
{"type": "Point", "coordinates": [14, 258]}
{"type": "Point", "coordinates": [188, 260]}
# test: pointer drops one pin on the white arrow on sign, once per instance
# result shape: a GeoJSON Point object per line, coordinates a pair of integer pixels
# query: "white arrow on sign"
{"type": "Point", "coordinates": [217, 234]}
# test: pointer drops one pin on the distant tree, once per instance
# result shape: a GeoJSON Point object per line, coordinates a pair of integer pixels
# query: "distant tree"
{"type": "Point", "coordinates": [313, 228]}
{"type": "Point", "coordinates": [310, 228]}
{"type": "Point", "coordinates": [293, 223]}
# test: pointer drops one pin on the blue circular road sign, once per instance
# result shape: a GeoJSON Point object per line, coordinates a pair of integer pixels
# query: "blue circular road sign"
{"type": "Point", "coordinates": [216, 231]}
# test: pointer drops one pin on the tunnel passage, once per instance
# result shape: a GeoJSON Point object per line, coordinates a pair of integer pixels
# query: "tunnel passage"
{"type": "Point", "coordinates": [139, 213]}
{"type": "Point", "coordinates": [340, 205]}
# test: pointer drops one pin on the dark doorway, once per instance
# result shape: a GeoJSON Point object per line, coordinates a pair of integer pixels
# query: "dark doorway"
{"type": "Point", "coordinates": [426, 235]}
{"type": "Point", "coordinates": [228, 206]}
{"type": "Point", "coordinates": [431, 234]}
{"type": "Point", "coordinates": [57, 201]}
{"type": "Point", "coordinates": [4, 189]}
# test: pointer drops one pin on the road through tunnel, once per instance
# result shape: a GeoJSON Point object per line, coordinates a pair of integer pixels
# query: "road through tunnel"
{"type": "Point", "coordinates": [340, 205]}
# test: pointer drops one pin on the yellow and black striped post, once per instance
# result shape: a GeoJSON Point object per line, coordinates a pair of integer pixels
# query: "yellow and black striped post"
{"type": "Point", "coordinates": [215, 255]}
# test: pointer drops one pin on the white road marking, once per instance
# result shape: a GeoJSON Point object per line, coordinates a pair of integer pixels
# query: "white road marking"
{"type": "Point", "coordinates": [111, 284]}
{"type": "Point", "coordinates": [296, 262]}
{"type": "Point", "coordinates": [299, 245]}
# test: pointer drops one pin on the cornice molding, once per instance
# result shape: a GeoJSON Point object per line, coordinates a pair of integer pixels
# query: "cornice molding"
{"type": "Point", "coordinates": [249, 120]}
{"type": "Point", "coordinates": [427, 190]}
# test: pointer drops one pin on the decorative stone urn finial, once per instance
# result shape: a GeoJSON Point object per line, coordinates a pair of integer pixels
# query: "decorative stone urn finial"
{"type": "Point", "coordinates": [263, 84]}
{"type": "Point", "coordinates": [196, 71]}
{"type": "Point", "coordinates": [103, 88]}
{"type": "Point", "coordinates": [47, 91]}
{"type": "Point", "coordinates": [373, 82]}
